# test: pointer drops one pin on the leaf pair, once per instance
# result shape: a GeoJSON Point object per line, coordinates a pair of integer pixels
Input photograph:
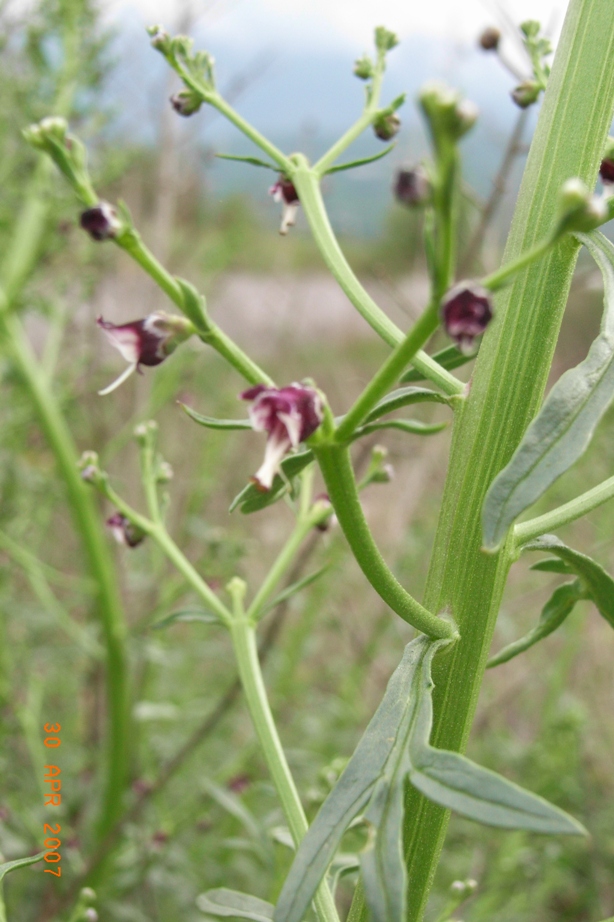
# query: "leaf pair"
{"type": "Point", "coordinates": [592, 583]}
{"type": "Point", "coordinates": [563, 428]}
{"type": "Point", "coordinates": [395, 747]}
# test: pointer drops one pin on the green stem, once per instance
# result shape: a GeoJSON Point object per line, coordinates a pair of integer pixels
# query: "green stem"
{"type": "Point", "coordinates": [252, 133]}
{"type": "Point", "coordinates": [327, 160]}
{"type": "Point", "coordinates": [336, 467]}
{"type": "Point", "coordinates": [389, 373]}
{"type": "Point", "coordinates": [562, 515]}
{"type": "Point", "coordinates": [246, 652]}
{"type": "Point", "coordinates": [158, 532]}
{"type": "Point", "coordinates": [308, 188]}
{"type": "Point", "coordinates": [508, 385]}
{"type": "Point", "coordinates": [213, 336]}
{"type": "Point", "coordinates": [502, 276]}
{"type": "Point", "coordinates": [87, 520]}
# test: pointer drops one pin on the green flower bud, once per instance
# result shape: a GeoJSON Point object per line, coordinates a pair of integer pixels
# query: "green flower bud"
{"type": "Point", "coordinates": [526, 93]}
{"type": "Point", "coordinates": [363, 67]}
{"type": "Point", "coordinates": [385, 40]}
{"type": "Point", "coordinates": [448, 114]}
{"type": "Point", "coordinates": [386, 125]}
{"type": "Point", "coordinates": [579, 210]}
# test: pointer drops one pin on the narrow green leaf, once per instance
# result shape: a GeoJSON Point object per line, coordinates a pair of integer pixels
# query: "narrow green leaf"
{"type": "Point", "coordinates": [403, 397]}
{"type": "Point", "coordinates": [187, 614]}
{"type": "Point", "coordinates": [343, 864]}
{"type": "Point", "coordinates": [253, 160]}
{"type": "Point", "coordinates": [363, 161]}
{"type": "Point", "coordinates": [211, 423]}
{"type": "Point", "coordinates": [293, 588]}
{"type": "Point", "coordinates": [564, 426]}
{"type": "Point", "coordinates": [449, 358]}
{"type": "Point", "coordinates": [223, 903]}
{"type": "Point", "coordinates": [352, 792]}
{"type": "Point", "coordinates": [598, 584]}
{"type": "Point", "coordinates": [251, 499]}
{"type": "Point", "coordinates": [552, 565]}
{"type": "Point", "coordinates": [560, 604]}
{"type": "Point", "coordinates": [414, 426]}
{"type": "Point", "coordinates": [9, 866]}
{"type": "Point", "coordinates": [457, 783]}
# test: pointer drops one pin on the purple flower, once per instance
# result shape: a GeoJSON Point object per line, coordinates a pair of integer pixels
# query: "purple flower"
{"type": "Point", "coordinates": [606, 171]}
{"type": "Point", "coordinates": [289, 416]}
{"type": "Point", "coordinates": [101, 222]}
{"type": "Point", "coordinates": [283, 191]}
{"type": "Point", "coordinates": [145, 342]}
{"type": "Point", "coordinates": [124, 531]}
{"type": "Point", "coordinates": [466, 311]}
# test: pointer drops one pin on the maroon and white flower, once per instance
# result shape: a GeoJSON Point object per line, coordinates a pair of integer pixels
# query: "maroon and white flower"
{"type": "Point", "coordinates": [283, 191]}
{"type": "Point", "coordinates": [412, 186]}
{"type": "Point", "coordinates": [466, 311]}
{"type": "Point", "coordinates": [145, 342]}
{"type": "Point", "coordinates": [289, 415]}
{"type": "Point", "coordinates": [101, 222]}
{"type": "Point", "coordinates": [124, 531]}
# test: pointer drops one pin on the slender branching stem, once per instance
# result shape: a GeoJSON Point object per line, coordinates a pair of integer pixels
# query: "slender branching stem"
{"type": "Point", "coordinates": [562, 515]}
{"type": "Point", "coordinates": [336, 467]}
{"type": "Point", "coordinates": [506, 273]}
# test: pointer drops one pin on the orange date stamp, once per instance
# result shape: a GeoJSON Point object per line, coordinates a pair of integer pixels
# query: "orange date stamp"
{"type": "Point", "coordinates": [53, 798]}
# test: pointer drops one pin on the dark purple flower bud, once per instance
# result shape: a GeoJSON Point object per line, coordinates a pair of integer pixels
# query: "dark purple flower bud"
{"type": "Point", "coordinates": [289, 415]}
{"type": "Point", "coordinates": [489, 39]}
{"type": "Point", "coordinates": [283, 191]}
{"type": "Point", "coordinates": [412, 187]}
{"type": "Point", "coordinates": [186, 102]}
{"type": "Point", "coordinates": [466, 311]}
{"type": "Point", "coordinates": [606, 171]}
{"type": "Point", "coordinates": [101, 222]}
{"type": "Point", "coordinates": [386, 125]}
{"type": "Point", "coordinates": [526, 93]}
{"type": "Point", "coordinates": [124, 531]}
{"type": "Point", "coordinates": [145, 342]}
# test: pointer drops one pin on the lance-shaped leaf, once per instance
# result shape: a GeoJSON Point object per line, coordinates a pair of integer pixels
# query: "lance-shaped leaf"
{"type": "Point", "coordinates": [353, 791]}
{"type": "Point", "coordinates": [403, 397]}
{"type": "Point", "coordinates": [212, 423]}
{"type": "Point", "coordinates": [364, 160]}
{"type": "Point", "coordinates": [598, 584]}
{"type": "Point", "coordinates": [254, 161]}
{"type": "Point", "coordinates": [413, 426]}
{"type": "Point", "coordinates": [199, 615]}
{"type": "Point", "coordinates": [9, 866]}
{"type": "Point", "coordinates": [224, 903]}
{"type": "Point", "coordinates": [560, 604]}
{"type": "Point", "coordinates": [564, 426]}
{"type": "Point", "coordinates": [449, 358]}
{"type": "Point", "coordinates": [293, 588]}
{"type": "Point", "coordinates": [252, 499]}
{"type": "Point", "coordinates": [453, 781]}
{"type": "Point", "coordinates": [552, 565]}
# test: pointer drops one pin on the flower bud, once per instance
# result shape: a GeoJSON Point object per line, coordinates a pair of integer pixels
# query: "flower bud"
{"type": "Point", "coordinates": [363, 68]}
{"type": "Point", "coordinates": [160, 39]}
{"type": "Point", "coordinates": [322, 501]}
{"type": "Point", "coordinates": [489, 39]}
{"type": "Point", "coordinates": [87, 894]}
{"type": "Point", "coordinates": [124, 531]}
{"type": "Point", "coordinates": [386, 125]}
{"type": "Point", "coordinates": [466, 311]}
{"type": "Point", "coordinates": [186, 102]}
{"type": "Point", "coordinates": [385, 40]}
{"type": "Point", "coordinates": [412, 187]}
{"type": "Point", "coordinates": [579, 210]}
{"type": "Point", "coordinates": [101, 222]}
{"type": "Point", "coordinates": [526, 93]}
{"type": "Point", "coordinates": [90, 915]}
{"type": "Point", "coordinates": [52, 128]}
{"type": "Point", "coordinates": [448, 114]}
{"type": "Point", "coordinates": [89, 467]}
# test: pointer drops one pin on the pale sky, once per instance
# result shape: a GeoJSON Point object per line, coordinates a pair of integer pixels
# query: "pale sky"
{"type": "Point", "coordinates": [339, 22]}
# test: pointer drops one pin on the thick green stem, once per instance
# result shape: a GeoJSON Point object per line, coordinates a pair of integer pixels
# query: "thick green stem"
{"type": "Point", "coordinates": [88, 523]}
{"type": "Point", "coordinates": [307, 185]}
{"type": "Point", "coordinates": [336, 467]}
{"type": "Point", "coordinates": [246, 652]}
{"type": "Point", "coordinates": [508, 386]}
{"type": "Point", "coordinates": [564, 514]}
